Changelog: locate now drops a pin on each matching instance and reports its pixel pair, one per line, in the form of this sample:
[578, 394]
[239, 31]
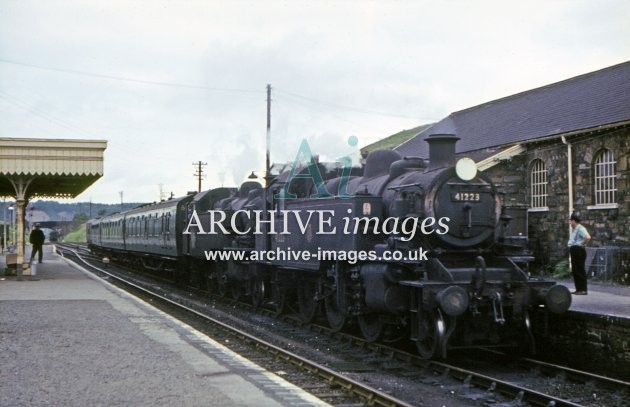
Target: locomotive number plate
[466, 196]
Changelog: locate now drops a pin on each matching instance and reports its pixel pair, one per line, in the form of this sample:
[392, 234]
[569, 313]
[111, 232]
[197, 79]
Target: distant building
[555, 149]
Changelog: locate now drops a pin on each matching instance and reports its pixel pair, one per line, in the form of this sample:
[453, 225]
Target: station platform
[68, 338]
[602, 299]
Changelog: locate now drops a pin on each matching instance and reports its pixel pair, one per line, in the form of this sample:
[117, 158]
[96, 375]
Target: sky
[170, 83]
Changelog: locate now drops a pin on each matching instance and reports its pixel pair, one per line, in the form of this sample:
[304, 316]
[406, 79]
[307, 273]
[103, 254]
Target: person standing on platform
[578, 238]
[37, 240]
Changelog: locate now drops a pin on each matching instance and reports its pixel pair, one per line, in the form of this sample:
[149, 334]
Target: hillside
[78, 235]
[42, 211]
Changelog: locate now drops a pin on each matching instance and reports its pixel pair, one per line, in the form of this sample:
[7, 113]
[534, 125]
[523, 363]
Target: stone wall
[549, 229]
[589, 342]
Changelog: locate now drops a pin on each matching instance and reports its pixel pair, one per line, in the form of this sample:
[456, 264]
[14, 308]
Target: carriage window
[538, 184]
[605, 175]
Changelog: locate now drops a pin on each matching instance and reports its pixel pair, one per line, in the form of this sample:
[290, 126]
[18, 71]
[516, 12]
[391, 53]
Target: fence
[609, 263]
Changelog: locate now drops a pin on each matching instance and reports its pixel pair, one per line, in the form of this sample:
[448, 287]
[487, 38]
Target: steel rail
[577, 374]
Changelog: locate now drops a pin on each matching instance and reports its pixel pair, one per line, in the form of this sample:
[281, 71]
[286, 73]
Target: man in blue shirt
[578, 238]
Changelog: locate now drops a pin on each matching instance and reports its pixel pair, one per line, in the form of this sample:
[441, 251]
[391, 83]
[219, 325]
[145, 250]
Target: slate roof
[583, 102]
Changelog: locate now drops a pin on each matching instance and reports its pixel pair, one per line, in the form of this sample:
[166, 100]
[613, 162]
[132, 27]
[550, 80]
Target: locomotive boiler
[410, 248]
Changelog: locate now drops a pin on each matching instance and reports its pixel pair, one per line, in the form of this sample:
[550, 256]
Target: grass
[78, 235]
[394, 140]
[561, 269]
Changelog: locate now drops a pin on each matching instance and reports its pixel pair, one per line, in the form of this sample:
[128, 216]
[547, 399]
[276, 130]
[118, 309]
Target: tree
[80, 218]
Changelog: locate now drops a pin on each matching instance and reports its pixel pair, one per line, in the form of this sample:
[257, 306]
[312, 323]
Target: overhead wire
[127, 79]
[303, 101]
[345, 107]
[284, 98]
[38, 112]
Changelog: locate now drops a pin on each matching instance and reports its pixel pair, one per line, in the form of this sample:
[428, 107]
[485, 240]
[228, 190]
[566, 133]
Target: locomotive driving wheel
[431, 330]
[371, 327]
[258, 288]
[308, 301]
[336, 316]
[279, 293]
[335, 301]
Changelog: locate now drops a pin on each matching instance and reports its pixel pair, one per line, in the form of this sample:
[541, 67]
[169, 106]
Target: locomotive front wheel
[308, 305]
[371, 327]
[526, 341]
[431, 329]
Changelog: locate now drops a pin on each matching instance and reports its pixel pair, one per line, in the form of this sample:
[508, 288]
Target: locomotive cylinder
[381, 291]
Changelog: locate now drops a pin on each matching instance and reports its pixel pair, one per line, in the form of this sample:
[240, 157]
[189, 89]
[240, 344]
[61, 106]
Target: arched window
[604, 170]
[538, 184]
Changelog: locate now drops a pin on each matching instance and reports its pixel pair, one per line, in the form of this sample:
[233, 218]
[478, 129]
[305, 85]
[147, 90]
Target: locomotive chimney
[441, 150]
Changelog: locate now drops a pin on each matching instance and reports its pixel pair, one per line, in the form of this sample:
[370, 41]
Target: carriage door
[186, 240]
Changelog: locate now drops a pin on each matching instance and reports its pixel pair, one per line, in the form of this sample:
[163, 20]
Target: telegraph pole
[266, 239]
[199, 173]
[4, 224]
[267, 160]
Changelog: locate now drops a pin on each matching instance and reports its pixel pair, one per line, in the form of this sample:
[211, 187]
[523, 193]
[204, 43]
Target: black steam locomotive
[408, 247]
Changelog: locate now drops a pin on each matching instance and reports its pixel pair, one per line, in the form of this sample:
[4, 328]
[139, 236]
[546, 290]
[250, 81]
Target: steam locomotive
[407, 248]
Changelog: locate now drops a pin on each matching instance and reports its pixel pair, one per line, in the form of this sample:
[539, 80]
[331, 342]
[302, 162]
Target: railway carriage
[107, 233]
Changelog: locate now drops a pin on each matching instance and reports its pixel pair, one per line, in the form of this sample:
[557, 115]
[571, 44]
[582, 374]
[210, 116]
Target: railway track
[530, 387]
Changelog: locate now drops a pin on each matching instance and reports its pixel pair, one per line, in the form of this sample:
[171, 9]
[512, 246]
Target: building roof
[584, 102]
[50, 167]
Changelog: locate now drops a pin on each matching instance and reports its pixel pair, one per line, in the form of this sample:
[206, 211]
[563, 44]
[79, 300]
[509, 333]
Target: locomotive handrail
[397, 187]
[469, 184]
[518, 269]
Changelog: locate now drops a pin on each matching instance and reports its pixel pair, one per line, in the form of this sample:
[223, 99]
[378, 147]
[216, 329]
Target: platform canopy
[46, 168]
[49, 168]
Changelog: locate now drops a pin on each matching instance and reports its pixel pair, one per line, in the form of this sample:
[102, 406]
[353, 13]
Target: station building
[557, 149]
